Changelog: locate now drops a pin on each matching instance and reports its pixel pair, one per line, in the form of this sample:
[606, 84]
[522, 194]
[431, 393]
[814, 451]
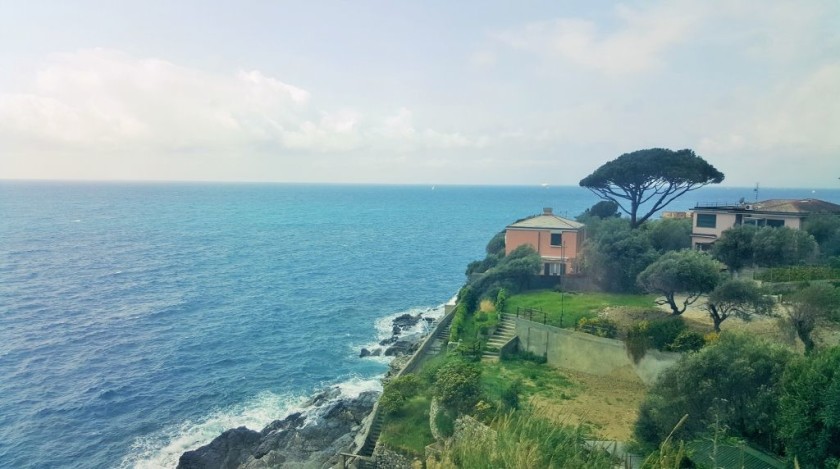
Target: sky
[432, 92]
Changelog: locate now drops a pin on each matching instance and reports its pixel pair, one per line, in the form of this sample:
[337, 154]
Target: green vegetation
[668, 334]
[809, 416]
[688, 272]
[825, 229]
[734, 383]
[739, 298]
[525, 440]
[408, 430]
[657, 176]
[798, 273]
[809, 307]
[563, 309]
[615, 255]
[735, 247]
[458, 385]
[669, 235]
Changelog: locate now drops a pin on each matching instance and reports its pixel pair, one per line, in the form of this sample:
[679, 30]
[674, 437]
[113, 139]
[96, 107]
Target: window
[776, 223]
[706, 220]
[556, 239]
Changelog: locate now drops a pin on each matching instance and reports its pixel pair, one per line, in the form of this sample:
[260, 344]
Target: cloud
[636, 45]
[100, 99]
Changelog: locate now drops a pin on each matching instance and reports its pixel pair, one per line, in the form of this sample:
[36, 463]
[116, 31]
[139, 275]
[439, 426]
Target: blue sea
[140, 320]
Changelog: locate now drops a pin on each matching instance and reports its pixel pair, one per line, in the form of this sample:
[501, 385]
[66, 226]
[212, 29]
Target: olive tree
[735, 247]
[739, 298]
[809, 307]
[654, 177]
[687, 272]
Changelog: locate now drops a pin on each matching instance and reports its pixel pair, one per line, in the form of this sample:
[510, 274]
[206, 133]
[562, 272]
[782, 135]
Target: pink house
[556, 239]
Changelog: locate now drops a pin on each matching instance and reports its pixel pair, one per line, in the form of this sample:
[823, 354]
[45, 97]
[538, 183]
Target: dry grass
[609, 404]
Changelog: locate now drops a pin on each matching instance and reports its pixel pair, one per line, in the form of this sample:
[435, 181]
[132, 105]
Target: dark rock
[406, 321]
[396, 330]
[388, 341]
[364, 353]
[400, 347]
[228, 450]
[376, 352]
[297, 440]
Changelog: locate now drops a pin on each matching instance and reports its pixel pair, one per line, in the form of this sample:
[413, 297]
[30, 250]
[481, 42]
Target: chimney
[547, 211]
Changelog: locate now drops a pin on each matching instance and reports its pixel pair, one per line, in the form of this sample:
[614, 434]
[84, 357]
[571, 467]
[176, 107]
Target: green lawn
[536, 379]
[408, 431]
[565, 309]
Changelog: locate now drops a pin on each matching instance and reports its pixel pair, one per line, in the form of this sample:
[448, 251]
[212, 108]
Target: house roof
[797, 206]
[547, 221]
[786, 206]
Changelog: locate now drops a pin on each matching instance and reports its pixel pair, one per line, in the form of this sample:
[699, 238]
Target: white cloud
[637, 45]
[101, 99]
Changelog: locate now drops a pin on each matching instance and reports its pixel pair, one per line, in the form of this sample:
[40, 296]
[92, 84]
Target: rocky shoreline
[312, 438]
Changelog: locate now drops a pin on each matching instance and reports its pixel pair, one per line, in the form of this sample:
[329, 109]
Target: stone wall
[588, 353]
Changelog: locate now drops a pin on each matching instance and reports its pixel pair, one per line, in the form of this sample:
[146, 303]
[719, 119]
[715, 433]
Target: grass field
[566, 309]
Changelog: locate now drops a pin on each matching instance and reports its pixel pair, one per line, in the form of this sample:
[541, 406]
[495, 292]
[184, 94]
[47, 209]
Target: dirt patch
[609, 404]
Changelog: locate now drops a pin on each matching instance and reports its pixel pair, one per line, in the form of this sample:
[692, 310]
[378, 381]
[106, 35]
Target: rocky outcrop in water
[404, 337]
[311, 439]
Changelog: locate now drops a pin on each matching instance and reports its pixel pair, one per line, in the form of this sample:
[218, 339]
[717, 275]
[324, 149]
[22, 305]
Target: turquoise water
[140, 320]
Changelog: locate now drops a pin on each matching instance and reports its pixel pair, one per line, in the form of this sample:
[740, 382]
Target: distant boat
[545, 184]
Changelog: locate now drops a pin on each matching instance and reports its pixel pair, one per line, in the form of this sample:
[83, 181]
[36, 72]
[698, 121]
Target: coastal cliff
[314, 437]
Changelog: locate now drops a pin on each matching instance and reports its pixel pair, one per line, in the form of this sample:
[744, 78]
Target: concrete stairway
[370, 442]
[441, 337]
[505, 331]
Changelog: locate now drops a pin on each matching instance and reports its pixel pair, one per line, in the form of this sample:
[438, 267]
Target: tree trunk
[675, 310]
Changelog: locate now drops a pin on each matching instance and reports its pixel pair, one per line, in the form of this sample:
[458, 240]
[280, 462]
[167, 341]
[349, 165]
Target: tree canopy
[735, 247]
[736, 382]
[810, 306]
[739, 298]
[690, 272]
[655, 176]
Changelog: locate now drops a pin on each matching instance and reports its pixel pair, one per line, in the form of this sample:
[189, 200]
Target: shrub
[392, 401]
[457, 385]
[800, 273]
[809, 417]
[397, 392]
[525, 355]
[687, 341]
[501, 300]
[663, 332]
[734, 383]
[638, 340]
[601, 327]
[510, 395]
[445, 423]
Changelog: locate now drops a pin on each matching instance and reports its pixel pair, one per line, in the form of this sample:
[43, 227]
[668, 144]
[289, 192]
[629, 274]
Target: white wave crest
[164, 448]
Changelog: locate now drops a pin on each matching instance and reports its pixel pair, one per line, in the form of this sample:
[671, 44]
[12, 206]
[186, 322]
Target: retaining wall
[588, 353]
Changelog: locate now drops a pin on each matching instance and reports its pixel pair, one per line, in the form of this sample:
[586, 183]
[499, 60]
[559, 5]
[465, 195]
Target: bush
[458, 386]
[638, 340]
[663, 332]
[598, 326]
[734, 383]
[501, 300]
[525, 355]
[445, 423]
[687, 341]
[510, 395]
[798, 274]
[397, 392]
[809, 418]
[392, 401]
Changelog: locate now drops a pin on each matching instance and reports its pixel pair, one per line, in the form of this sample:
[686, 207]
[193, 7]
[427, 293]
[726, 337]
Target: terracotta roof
[797, 206]
[550, 222]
